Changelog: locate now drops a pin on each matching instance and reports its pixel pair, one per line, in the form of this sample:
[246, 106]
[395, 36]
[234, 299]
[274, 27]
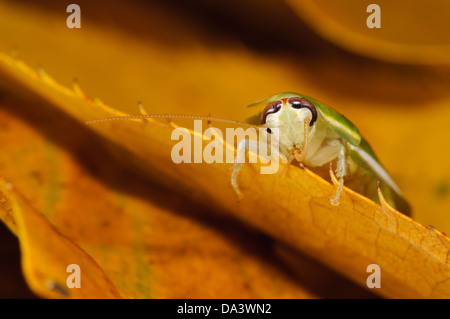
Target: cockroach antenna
[169, 116]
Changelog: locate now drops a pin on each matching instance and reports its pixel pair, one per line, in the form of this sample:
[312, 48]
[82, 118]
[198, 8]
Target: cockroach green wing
[357, 146]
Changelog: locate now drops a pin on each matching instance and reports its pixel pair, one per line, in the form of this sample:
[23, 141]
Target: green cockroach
[315, 134]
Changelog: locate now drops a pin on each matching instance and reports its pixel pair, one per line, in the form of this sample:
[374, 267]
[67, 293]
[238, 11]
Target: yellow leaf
[348, 238]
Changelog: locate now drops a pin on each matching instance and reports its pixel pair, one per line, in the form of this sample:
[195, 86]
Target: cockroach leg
[286, 165]
[301, 157]
[384, 204]
[338, 179]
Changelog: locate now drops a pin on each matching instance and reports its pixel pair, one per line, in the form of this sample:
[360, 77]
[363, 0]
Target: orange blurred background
[202, 57]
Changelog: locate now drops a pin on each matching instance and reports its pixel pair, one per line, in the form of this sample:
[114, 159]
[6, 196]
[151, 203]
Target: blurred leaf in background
[410, 32]
[178, 231]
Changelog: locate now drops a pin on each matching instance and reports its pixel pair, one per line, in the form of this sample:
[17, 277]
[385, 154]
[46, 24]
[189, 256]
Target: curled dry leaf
[400, 38]
[42, 244]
